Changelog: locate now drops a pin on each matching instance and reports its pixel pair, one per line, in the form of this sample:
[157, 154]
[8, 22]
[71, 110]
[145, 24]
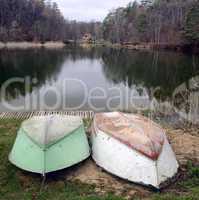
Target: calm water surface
[99, 79]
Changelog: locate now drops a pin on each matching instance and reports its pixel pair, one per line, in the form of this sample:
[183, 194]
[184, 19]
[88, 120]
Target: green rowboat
[50, 143]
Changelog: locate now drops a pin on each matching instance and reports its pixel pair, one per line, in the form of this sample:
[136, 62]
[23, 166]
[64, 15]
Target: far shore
[27, 45]
[131, 46]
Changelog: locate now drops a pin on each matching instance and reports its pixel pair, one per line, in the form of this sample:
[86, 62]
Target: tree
[192, 24]
[142, 26]
[15, 31]
[3, 34]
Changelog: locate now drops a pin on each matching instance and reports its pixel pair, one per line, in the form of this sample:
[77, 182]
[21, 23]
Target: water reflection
[39, 64]
[109, 75]
[165, 70]
[186, 100]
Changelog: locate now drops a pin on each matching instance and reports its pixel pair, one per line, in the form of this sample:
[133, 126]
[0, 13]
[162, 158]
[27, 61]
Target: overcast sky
[86, 10]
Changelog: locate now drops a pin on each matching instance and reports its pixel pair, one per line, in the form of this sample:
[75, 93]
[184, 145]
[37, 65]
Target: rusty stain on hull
[138, 132]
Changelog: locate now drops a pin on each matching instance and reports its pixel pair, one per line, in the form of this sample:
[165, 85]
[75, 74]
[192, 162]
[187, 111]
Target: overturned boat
[49, 143]
[132, 147]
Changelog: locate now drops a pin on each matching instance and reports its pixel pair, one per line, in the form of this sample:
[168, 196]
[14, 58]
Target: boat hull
[70, 150]
[121, 160]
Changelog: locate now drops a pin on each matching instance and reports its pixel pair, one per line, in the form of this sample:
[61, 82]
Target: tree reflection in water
[167, 76]
[161, 72]
[165, 70]
[42, 65]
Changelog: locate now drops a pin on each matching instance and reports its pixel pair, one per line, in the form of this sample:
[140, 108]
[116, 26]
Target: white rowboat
[132, 147]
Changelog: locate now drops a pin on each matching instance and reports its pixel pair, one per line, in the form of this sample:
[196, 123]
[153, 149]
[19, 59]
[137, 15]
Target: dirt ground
[185, 145]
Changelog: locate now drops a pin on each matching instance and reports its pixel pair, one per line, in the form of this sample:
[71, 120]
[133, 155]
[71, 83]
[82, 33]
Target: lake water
[99, 79]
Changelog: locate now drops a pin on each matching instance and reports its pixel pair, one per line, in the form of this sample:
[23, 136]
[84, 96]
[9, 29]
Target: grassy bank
[17, 184]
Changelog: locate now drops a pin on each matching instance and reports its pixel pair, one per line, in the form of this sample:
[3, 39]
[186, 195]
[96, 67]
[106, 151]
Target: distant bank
[27, 45]
[187, 48]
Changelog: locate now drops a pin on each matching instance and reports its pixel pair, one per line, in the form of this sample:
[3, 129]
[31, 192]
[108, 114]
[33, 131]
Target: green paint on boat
[46, 144]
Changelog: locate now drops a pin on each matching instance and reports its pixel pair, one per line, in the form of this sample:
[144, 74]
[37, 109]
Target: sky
[87, 10]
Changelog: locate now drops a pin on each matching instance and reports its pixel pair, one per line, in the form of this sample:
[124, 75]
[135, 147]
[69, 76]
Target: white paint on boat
[167, 165]
[122, 160]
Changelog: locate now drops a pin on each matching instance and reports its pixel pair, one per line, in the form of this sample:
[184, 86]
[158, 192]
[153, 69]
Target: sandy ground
[27, 45]
[186, 147]
[104, 182]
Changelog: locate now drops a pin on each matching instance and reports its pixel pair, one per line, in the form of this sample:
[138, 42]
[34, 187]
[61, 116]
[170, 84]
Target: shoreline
[29, 45]
[186, 48]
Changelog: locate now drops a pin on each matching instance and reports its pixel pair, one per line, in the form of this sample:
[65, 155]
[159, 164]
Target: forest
[39, 20]
[154, 21]
[147, 21]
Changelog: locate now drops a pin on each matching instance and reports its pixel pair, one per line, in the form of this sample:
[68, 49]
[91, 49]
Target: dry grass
[28, 45]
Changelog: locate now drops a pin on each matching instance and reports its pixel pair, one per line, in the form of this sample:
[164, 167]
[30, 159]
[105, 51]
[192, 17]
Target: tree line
[154, 21]
[146, 21]
[39, 20]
